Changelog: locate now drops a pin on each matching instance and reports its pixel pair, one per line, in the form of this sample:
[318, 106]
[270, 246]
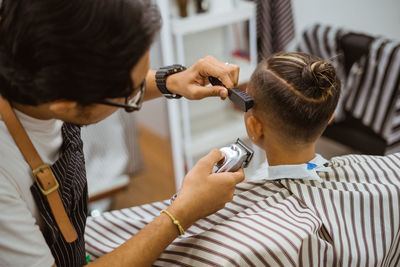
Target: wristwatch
[161, 77]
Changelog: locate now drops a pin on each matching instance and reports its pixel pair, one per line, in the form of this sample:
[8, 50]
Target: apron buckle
[35, 175]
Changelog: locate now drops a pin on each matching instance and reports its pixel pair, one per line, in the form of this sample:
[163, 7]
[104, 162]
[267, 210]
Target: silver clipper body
[237, 155]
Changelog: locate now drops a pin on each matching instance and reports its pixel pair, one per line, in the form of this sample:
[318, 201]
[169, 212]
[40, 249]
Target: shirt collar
[306, 171]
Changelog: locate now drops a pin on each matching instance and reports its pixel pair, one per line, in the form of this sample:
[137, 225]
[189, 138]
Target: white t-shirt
[21, 241]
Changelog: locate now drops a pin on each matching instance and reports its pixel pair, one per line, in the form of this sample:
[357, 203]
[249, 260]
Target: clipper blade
[248, 150]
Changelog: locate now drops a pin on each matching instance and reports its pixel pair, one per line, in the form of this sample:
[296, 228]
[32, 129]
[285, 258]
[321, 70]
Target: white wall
[375, 17]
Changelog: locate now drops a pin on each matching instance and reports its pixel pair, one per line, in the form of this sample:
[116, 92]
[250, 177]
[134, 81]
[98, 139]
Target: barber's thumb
[216, 90]
[206, 91]
[220, 91]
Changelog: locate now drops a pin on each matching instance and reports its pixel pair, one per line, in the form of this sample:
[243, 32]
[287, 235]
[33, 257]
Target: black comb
[243, 100]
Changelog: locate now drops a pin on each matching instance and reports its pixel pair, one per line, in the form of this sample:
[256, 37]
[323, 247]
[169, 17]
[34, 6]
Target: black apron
[70, 173]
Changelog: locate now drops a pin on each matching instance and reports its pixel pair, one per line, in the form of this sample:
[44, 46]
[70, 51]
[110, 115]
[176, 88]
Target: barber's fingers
[207, 162]
[227, 73]
[236, 177]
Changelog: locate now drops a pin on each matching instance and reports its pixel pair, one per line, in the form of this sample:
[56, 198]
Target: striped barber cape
[351, 218]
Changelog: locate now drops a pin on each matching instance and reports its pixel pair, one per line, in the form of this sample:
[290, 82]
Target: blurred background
[360, 37]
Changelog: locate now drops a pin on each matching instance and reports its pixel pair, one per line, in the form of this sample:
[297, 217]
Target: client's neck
[289, 155]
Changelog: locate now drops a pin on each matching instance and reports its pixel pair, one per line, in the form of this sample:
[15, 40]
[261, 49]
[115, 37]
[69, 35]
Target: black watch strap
[161, 78]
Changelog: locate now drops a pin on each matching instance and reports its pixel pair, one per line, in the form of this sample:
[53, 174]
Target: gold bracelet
[175, 221]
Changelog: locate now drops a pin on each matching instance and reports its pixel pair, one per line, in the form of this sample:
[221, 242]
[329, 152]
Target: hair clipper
[237, 155]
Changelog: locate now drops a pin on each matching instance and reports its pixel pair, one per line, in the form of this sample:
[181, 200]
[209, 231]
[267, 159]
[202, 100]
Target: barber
[68, 63]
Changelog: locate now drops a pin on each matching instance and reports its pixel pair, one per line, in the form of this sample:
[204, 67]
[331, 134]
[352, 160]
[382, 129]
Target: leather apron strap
[42, 173]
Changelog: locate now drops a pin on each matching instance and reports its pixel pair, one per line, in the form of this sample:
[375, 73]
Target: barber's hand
[204, 192]
[192, 82]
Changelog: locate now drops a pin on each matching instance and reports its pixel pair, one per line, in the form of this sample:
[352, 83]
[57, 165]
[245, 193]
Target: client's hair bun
[320, 75]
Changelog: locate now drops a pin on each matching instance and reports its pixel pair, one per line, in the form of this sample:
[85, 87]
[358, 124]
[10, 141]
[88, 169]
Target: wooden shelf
[196, 23]
[105, 188]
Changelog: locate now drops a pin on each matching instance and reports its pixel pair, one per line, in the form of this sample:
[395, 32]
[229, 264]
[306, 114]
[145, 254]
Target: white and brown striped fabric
[350, 219]
[374, 84]
[322, 41]
[275, 27]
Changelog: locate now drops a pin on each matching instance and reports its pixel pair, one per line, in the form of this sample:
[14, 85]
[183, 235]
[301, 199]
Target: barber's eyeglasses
[132, 102]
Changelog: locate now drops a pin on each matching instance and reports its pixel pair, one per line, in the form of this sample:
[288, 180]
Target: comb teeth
[243, 100]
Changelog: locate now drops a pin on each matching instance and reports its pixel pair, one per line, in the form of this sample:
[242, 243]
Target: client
[298, 209]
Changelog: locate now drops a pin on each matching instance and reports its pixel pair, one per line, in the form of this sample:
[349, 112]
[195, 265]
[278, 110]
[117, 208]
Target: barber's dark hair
[72, 49]
[297, 92]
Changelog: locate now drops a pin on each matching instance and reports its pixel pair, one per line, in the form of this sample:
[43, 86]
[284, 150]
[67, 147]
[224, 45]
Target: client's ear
[254, 128]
